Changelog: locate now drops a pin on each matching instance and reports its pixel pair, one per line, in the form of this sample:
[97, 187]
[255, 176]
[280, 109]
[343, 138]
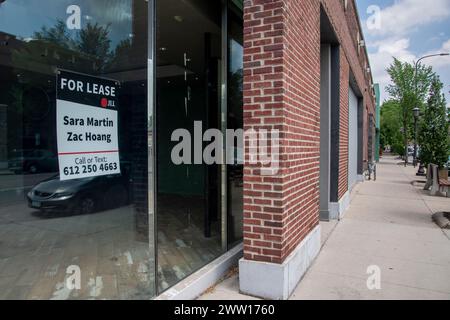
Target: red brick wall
[302, 109]
[263, 108]
[346, 26]
[369, 102]
[343, 124]
[282, 91]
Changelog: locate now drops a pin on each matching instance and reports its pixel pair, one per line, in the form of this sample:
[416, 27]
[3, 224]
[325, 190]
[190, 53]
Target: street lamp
[416, 110]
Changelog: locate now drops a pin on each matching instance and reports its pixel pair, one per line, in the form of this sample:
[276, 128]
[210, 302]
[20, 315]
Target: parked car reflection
[80, 196]
[33, 161]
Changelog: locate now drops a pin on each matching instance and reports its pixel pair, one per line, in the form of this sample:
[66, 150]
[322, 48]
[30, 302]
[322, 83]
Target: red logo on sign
[104, 102]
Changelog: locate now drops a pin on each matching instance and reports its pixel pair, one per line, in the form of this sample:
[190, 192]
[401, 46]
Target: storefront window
[92, 203]
[74, 238]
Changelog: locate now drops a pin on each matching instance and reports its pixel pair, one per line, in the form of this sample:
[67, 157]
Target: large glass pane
[235, 121]
[188, 87]
[83, 238]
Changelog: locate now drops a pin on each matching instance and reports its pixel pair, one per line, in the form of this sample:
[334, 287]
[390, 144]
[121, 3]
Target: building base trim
[324, 215]
[338, 209]
[278, 281]
[196, 284]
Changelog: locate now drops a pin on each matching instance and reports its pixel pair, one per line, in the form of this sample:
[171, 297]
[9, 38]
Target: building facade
[313, 53]
[378, 122]
[147, 145]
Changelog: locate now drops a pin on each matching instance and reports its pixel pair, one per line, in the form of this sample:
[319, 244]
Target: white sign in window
[87, 126]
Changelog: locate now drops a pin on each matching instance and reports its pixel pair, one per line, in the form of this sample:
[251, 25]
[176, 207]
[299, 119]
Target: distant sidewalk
[388, 227]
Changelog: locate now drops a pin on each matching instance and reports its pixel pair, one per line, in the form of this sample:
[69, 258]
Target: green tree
[58, 34]
[94, 41]
[391, 126]
[122, 56]
[434, 139]
[409, 89]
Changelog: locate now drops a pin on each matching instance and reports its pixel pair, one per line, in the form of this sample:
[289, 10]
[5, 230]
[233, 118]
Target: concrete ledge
[324, 215]
[278, 281]
[338, 209]
[197, 283]
[361, 178]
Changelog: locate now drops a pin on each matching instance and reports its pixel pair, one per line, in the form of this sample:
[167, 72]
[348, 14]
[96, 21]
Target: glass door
[235, 121]
[188, 84]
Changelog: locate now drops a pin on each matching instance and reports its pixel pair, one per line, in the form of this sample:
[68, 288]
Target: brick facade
[344, 73]
[282, 91]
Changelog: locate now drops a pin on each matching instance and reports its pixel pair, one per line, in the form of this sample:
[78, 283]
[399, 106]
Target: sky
[407, 30]
[23, 18]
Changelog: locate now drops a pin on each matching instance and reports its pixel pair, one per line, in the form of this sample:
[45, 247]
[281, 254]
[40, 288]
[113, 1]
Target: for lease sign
[87, 127]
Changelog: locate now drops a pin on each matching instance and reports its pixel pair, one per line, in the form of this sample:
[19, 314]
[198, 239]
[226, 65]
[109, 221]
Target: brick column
[281, 91]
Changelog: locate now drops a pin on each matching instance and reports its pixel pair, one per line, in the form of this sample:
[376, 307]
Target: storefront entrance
[194, 59]
[134, 230]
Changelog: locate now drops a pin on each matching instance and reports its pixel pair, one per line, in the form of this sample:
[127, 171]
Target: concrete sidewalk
[388, 225]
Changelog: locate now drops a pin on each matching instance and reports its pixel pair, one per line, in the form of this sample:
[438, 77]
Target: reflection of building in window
[111, 244]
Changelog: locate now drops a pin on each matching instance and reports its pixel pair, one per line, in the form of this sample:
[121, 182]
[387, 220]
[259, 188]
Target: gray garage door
[352, 139]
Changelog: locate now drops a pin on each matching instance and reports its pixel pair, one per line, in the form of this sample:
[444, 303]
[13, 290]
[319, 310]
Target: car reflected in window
[81, 196]
[32, 161]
